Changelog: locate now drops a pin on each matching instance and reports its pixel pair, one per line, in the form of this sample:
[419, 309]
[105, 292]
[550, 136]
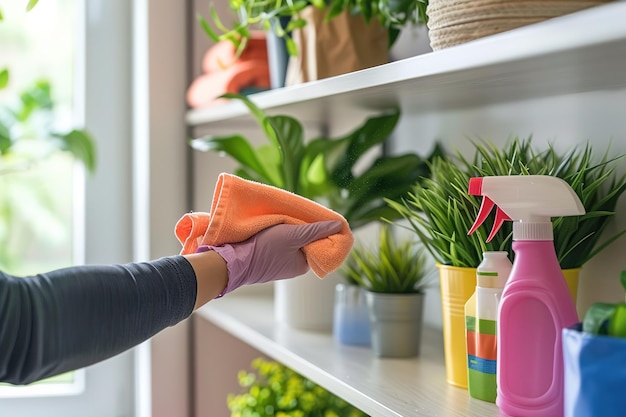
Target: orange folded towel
[242, 208]
[205, 90]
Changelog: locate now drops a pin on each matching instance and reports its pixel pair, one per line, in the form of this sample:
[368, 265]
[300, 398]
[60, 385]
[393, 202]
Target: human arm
[73, 317]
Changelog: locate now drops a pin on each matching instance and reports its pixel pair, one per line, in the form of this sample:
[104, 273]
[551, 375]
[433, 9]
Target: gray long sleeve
[74, 317]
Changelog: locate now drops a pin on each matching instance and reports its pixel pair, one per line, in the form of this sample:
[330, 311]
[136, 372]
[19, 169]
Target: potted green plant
[394, 277]
[440, 212]
[322, 170]
[349, 35]
[251, 14]
[448, 209]
[28, 138]
[274, 389]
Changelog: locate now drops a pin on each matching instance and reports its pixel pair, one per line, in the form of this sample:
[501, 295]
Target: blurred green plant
[440, 211]
[323, 169]
[27, 133]
[393, 15]
[272, 389]
[394, 266]
[28, 139]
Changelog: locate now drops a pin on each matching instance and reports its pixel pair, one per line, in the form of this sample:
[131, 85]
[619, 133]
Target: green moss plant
[394, 266]
[272, 389]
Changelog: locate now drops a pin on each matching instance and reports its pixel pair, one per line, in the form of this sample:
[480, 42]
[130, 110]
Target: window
[37, 204]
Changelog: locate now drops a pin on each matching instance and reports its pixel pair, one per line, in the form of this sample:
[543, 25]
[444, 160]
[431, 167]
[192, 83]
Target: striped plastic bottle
[481, 313]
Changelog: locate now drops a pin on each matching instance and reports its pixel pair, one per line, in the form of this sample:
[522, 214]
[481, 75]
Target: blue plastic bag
[595, 374]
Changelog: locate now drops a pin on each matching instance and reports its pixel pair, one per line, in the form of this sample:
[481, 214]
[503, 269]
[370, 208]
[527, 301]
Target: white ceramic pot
[306, 302]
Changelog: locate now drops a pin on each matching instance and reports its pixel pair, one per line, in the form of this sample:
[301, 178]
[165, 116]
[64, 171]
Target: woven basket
[452, 22]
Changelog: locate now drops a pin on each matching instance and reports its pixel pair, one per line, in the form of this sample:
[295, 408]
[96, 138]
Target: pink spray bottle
[536, 303]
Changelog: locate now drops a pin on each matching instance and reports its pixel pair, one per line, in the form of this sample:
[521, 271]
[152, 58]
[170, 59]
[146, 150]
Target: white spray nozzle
[524, 198]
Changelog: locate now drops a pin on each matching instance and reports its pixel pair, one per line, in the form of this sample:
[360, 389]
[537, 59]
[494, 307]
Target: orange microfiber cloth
[242, 208]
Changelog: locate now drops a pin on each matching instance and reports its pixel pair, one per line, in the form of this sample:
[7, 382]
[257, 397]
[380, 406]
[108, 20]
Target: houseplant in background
[347, 35]
[272, 389]
[440, 212]
[323, 170]
[28, 139]
[394, 276]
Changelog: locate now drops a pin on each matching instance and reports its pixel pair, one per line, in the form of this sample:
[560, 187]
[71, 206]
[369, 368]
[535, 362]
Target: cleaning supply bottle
[536, 303]
[481, 312]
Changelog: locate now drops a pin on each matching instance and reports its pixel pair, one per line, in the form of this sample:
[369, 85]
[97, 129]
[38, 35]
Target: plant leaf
[373, 132]
[240, 149]
[5, 139]
[31, 4]
[80, 144]
[4, 78]
[597, 317]
[290, 137]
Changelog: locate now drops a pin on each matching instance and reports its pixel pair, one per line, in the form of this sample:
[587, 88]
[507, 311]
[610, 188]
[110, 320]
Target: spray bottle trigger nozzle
[497, 223]
[485, 208]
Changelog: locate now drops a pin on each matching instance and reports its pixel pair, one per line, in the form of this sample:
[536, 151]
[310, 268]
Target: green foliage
[607, 319]
[4, 78]
[29, 7]
[323, 168]
[274, 390]
[28, 141]
[421, 10]
[267, 15]
[441, 212]
[393, 267]
[27, 135]
[31, 4]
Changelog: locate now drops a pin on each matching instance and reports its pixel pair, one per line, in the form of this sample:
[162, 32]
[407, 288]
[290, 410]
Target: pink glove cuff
[227, 252]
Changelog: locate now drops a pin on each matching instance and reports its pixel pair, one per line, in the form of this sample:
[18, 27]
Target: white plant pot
[306, 302]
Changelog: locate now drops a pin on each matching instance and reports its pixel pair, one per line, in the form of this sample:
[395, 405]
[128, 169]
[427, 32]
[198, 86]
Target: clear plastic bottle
[536, 303]
[481, 313]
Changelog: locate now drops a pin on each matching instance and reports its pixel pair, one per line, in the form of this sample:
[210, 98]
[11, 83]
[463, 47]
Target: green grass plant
[394, 266]
[440, 211]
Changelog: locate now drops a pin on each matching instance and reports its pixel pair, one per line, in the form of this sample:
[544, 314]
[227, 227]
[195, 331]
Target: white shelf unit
[380, 387]
[571, 54]
[579, 53]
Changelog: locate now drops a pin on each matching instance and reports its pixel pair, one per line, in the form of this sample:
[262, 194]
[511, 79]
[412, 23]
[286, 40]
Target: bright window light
[38, 209]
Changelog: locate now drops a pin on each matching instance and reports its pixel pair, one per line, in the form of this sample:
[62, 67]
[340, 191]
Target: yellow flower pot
[457, 286]
[571, 277]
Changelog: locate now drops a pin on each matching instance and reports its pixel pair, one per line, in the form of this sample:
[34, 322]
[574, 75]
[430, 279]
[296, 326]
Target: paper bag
[338, 46]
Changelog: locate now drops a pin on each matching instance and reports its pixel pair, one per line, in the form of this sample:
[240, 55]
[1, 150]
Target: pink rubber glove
[271, 254]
